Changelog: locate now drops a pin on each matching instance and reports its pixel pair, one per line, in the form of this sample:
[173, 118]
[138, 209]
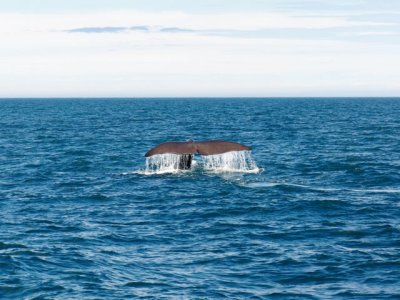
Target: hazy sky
[199, 48]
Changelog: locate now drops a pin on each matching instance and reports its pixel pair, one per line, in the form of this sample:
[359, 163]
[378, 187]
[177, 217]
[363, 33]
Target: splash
[234, 161]
[162, 163]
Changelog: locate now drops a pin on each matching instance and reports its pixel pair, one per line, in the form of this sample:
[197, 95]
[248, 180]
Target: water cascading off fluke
[217, 155]
[234, 161]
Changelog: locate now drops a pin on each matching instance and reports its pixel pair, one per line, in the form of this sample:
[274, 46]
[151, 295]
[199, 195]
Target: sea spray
[234, 161]
[162, 163]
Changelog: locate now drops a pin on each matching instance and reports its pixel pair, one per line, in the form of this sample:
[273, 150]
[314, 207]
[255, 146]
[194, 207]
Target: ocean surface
[81, 219]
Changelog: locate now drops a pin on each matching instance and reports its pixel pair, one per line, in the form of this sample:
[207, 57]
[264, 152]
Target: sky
[208, 48]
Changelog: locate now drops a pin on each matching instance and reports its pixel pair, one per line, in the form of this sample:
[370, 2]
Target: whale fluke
[219, 147]
[186, 150]
[202, 148]
[173, 148]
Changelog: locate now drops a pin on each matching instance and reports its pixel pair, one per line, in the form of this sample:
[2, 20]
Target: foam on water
[315, 188]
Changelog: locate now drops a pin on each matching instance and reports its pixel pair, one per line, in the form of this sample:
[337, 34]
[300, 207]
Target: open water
[81, 219]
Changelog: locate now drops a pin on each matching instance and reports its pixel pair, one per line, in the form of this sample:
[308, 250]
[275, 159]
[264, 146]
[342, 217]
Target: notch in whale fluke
[202, 148]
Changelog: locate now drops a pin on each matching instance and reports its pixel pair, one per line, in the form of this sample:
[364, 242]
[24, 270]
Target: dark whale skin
[219, 147]
[202, 148]
[173, 148]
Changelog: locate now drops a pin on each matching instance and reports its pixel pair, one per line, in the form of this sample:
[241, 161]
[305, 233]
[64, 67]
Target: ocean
[81, 218]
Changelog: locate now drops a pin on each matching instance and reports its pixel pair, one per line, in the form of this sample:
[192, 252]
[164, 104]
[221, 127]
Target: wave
[317, 188]
[376, 191]
[285, 184]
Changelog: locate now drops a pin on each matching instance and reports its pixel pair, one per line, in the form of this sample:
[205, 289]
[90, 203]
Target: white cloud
[39, 58]
[241, 21]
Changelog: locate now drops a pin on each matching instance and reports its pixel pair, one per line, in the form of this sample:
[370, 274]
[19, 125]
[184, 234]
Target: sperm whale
[186, 150]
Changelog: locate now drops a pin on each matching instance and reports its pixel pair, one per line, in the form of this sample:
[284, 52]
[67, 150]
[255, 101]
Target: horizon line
[196, 97]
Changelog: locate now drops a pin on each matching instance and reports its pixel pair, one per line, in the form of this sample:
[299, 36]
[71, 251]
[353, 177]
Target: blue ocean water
[322, 221]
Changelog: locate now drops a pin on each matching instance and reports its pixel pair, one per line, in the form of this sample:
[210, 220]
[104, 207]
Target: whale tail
[186, 150]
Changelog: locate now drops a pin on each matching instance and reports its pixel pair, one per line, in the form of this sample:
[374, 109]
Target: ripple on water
[319, 222]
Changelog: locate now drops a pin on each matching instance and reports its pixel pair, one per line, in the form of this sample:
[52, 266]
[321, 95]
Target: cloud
[176, 21]
[139, 28]
[111, 29]
[97, 29]
[133, 53]
[176, 29]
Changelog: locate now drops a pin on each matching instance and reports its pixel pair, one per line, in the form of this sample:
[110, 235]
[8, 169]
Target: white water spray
[230, 162]
[234, 161]
[162, 163]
